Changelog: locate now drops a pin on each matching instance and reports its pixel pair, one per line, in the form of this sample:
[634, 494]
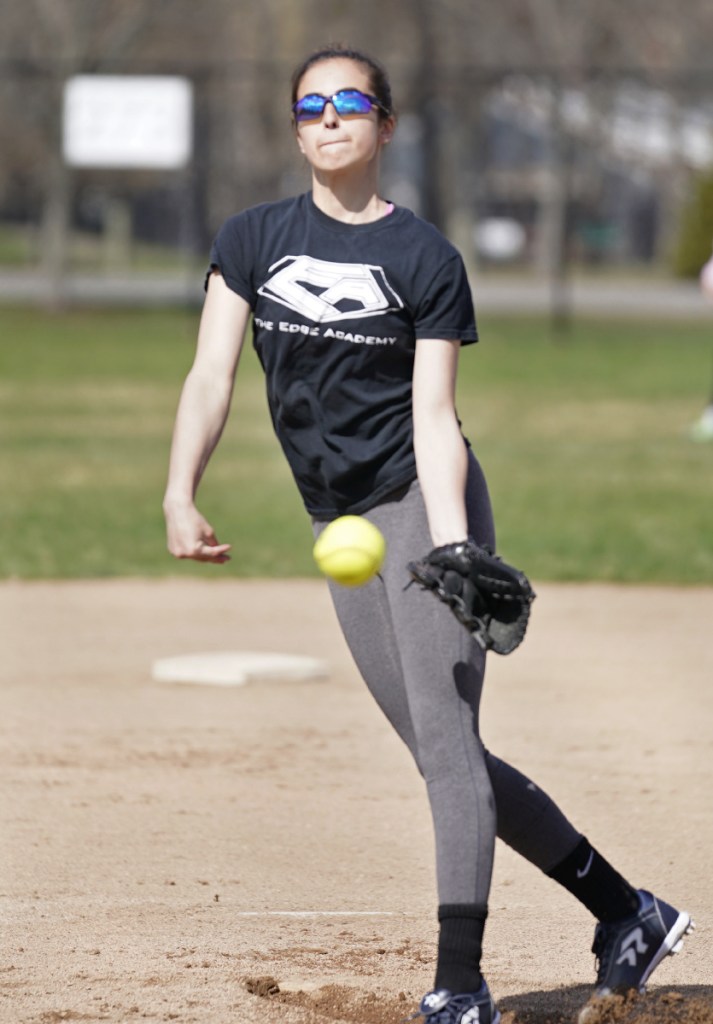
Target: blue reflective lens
[309, 107]
[351, 101]
[346, 102]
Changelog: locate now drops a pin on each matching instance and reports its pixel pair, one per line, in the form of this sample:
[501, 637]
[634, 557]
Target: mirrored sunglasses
[346, 102]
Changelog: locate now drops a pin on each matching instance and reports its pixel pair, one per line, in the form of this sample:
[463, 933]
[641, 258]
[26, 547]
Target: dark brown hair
[378, 79]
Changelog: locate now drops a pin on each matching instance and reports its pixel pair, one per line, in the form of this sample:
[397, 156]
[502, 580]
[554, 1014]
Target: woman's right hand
[191, 536]
[201, 416]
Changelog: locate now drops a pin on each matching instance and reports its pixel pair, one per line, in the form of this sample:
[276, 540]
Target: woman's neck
[352, 202]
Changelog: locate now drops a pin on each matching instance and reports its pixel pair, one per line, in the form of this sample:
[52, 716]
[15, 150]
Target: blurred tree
[51, 40]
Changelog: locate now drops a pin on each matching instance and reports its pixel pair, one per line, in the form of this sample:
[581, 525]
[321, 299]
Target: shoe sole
[672, 943]
[495, 1019]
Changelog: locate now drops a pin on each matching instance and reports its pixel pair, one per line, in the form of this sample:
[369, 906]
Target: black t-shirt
[337, 309]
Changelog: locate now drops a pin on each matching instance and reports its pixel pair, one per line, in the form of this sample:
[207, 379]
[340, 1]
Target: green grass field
[585, 443]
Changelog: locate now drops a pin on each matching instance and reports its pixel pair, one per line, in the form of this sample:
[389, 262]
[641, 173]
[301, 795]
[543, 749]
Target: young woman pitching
[359, 310]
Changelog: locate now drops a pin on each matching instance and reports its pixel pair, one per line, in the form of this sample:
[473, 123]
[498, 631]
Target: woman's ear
[386, 130]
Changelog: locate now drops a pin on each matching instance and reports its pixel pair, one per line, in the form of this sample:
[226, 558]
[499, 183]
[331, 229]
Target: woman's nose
[330, 117]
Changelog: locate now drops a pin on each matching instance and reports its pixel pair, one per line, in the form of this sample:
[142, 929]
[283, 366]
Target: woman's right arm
[202, 412]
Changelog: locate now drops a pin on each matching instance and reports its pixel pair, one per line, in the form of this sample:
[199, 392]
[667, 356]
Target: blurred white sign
[128, 121]
[499, 238]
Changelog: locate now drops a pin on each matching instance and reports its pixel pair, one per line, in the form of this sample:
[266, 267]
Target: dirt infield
[263, 854]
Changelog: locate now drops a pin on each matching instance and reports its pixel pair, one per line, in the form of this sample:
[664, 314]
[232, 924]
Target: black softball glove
[491, 598]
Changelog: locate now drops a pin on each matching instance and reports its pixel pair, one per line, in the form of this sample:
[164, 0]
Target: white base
[235, 668]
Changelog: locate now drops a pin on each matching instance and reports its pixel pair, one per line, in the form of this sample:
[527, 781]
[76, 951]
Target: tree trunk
[55, 230]
[552, 218]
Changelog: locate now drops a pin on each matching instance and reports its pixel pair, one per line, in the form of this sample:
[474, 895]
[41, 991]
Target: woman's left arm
[441, 453]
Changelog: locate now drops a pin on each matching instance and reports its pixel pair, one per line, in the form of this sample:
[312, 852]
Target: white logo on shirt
[323, 291]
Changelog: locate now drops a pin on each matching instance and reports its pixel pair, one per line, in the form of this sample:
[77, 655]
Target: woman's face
[332, 143]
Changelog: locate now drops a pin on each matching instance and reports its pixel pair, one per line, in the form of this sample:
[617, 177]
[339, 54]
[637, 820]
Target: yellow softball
[350, 550]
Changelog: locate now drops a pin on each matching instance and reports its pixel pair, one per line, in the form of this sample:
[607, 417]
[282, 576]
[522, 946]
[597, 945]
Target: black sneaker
[442, 1007]
[629, 951]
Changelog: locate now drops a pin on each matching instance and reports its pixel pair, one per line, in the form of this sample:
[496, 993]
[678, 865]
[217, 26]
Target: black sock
[460, 944]
[596, 884]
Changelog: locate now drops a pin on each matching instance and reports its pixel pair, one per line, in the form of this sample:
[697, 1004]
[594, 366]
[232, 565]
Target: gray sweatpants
[426, 674]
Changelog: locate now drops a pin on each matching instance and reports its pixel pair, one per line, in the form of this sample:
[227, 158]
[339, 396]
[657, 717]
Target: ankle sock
[460, 945]
[595, 883]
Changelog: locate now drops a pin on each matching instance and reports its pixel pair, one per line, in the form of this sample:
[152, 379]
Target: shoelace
[602, 950]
